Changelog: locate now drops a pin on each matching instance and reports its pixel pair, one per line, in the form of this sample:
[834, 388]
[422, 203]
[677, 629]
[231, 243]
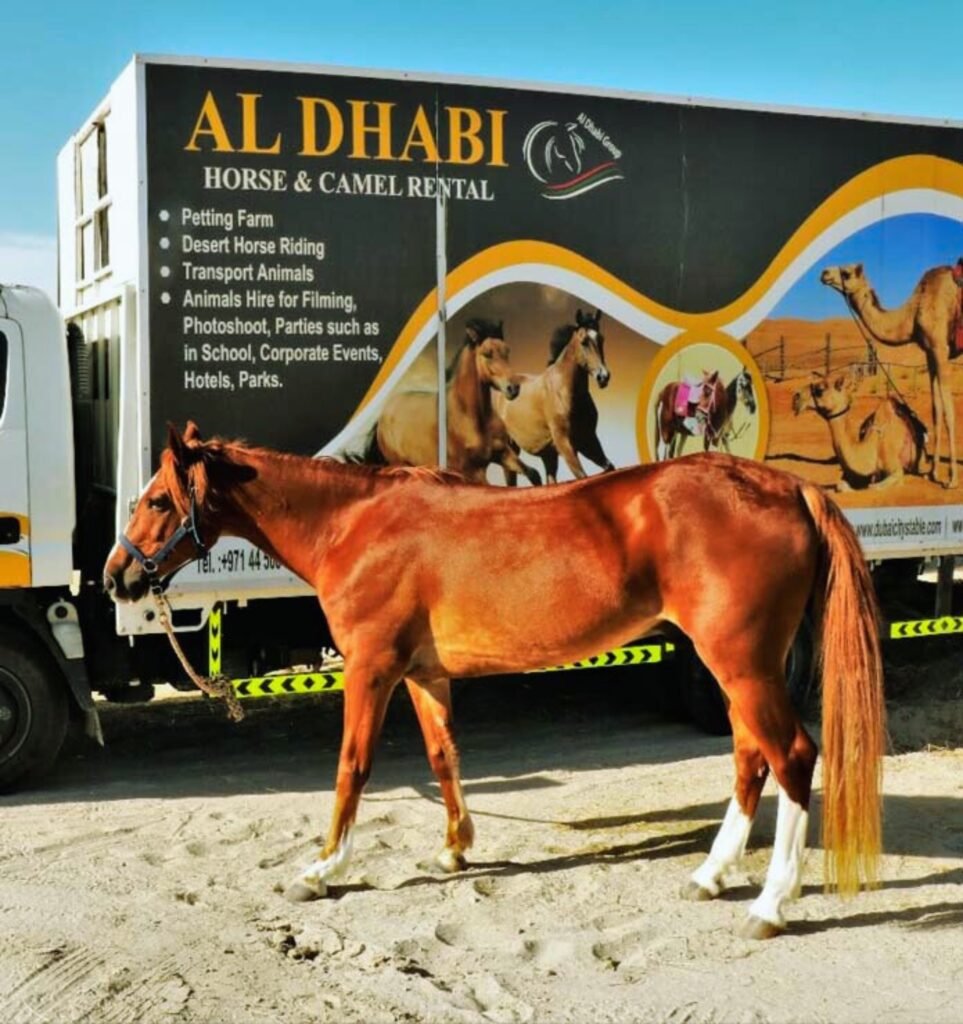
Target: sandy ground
[141, 883]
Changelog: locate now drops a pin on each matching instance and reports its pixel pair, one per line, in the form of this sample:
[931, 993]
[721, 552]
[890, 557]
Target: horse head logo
[565, 161]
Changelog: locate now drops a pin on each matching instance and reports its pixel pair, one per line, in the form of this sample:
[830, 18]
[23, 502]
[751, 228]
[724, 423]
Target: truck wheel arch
[34, 707]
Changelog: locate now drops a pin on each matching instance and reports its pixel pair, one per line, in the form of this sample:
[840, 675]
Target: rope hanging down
[218, 686]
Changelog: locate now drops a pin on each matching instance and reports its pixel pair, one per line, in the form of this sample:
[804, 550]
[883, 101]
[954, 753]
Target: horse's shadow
[913, 827]
[652, 848]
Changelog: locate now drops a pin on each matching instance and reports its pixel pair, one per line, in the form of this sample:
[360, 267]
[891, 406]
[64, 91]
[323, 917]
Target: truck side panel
[289, 282]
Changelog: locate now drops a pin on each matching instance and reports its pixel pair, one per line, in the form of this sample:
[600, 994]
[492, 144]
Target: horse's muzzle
[511, 391]
[129, 584]
[602, 378]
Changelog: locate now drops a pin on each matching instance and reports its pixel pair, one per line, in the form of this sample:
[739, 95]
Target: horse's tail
[371, 454]
[854, 727]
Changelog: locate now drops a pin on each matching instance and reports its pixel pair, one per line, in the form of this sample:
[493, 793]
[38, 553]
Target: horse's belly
[535, 616]
[526, 427]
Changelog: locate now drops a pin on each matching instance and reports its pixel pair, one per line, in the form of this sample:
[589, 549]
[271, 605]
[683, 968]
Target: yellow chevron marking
[925, 627]
[329, 682]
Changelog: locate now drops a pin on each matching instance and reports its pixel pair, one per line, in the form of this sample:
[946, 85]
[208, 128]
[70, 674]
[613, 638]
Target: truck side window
[3, 373]
[92, 202]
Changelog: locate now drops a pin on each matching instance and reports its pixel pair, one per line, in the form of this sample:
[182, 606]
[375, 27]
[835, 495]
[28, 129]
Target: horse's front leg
[512, 465]
[366, 696]
[432, 703]
[565, 448]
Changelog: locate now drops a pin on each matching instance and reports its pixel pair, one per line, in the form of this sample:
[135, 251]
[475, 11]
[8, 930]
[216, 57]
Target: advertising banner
[625, 279]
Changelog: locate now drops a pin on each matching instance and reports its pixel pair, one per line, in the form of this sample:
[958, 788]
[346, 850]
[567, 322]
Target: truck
[299, 256]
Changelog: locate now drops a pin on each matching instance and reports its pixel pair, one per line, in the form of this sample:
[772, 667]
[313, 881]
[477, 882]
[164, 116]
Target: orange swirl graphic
[897, 175]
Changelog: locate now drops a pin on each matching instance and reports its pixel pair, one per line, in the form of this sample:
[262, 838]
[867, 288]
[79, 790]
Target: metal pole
[944, 586]
[441, 271]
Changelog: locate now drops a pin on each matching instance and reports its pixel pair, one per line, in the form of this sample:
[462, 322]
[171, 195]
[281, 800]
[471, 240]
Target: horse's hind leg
[707, 880]
[755, 683]
[366, 697]
[432, 703]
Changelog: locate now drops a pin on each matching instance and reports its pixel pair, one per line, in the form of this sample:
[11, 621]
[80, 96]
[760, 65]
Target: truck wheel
[33, 712]
[706, 704]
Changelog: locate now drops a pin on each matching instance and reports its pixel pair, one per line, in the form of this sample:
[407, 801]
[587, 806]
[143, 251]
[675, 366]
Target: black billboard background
[707, 198]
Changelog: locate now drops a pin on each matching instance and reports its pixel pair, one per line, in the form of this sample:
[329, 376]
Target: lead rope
[867, 337]
[218, 686]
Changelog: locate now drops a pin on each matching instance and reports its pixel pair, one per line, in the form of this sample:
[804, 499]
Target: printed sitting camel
[874, 450]
[927, 319]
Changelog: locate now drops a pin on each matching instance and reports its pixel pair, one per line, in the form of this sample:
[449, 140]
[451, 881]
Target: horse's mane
[560, 338]
[483, 328]
[218, 464]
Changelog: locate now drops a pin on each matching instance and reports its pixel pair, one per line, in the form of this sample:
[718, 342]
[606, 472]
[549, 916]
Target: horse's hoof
[696, 893]
[756, 928]
[298, 892]
[451, 861]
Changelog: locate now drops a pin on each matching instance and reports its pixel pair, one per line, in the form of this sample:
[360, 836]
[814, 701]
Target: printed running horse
[554, 413]
[406, 433]
[700, 408]
[423, 577]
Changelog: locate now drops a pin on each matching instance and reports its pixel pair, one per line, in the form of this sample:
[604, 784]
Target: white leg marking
[728, 846]
[316, 875]
[784, 878]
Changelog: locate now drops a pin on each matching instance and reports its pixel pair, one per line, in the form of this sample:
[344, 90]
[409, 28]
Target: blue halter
[152, 564]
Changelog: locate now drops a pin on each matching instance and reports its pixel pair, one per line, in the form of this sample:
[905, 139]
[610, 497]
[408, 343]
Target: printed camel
[874, 450]
[927, 319]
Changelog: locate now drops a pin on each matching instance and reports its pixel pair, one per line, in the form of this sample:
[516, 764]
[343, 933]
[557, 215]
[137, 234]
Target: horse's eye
[487, 355]
[159, 504]
[585, 343]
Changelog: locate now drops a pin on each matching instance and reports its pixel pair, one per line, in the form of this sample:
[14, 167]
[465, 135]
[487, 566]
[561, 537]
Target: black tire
[706, 704]
[33, 711]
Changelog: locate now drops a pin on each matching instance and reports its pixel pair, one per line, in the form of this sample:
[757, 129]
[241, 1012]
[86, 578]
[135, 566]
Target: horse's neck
[732, 392]
[467, 393]
[293, 506]
[572, 375]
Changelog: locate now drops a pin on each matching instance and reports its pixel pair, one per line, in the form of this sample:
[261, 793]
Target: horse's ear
[858, 270]
[598, 317]
[501, 328]
[183, 447]
[176, 444]
[579, 318]
[472, 336]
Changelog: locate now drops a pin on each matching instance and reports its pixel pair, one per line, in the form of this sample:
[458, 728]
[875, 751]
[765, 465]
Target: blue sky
[60, 57]
[894, 254]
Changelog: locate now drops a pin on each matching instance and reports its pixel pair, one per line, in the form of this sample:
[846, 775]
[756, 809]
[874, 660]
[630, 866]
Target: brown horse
[406, 433]
[713, 417]
[554, 412]
[423, 577]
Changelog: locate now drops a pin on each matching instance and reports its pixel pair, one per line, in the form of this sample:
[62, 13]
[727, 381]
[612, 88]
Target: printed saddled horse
[554, 412]
[701, 409]
[423, 577]
[406, 433]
